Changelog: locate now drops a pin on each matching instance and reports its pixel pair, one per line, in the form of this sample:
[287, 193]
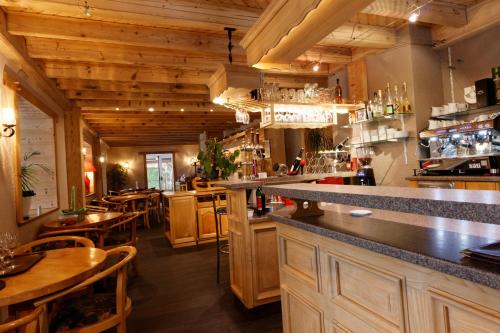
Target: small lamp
[88, 167]
[8, 122]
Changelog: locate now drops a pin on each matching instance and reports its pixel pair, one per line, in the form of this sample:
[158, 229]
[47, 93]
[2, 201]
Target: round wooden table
[60, 269]
[91, 221]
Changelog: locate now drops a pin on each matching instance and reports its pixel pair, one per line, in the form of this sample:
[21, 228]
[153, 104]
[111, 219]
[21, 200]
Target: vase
[26, 206]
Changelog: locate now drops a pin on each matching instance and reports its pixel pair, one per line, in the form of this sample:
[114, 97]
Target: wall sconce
[126, 165]
[102, 159]
[8, 122]
[84, 151]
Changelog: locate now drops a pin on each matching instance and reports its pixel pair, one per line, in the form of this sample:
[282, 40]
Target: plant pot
[26, 206]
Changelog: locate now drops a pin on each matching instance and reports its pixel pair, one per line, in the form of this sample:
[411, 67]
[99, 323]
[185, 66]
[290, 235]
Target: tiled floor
[177, 293]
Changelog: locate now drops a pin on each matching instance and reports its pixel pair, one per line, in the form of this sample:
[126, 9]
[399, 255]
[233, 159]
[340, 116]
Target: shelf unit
[270, 119]
[452, 116]
[367, 143]
[397, 116]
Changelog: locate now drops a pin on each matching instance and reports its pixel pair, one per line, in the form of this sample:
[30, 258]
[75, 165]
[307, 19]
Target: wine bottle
[389, 103]
[405, 101]
[379, 108]
[397, 100]
[261, 201]
[296, 164]
[338, 93]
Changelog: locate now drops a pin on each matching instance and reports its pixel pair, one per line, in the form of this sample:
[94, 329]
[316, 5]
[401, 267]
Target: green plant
[28, 174]
[216, 158]
[117, 176]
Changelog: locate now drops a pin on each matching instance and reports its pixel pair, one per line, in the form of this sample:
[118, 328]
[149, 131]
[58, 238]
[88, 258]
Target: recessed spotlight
[182, 110]
[151, 109]
[316, 67]
[211, 110]
[117, 109]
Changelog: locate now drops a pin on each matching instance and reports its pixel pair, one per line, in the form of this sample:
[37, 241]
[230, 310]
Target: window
[160, 171]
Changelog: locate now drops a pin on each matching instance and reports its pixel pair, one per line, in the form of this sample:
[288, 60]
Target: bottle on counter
[495, 73]
[261, 201]
[338, 93]
[405, 101]
[389, 102]
[294, 170]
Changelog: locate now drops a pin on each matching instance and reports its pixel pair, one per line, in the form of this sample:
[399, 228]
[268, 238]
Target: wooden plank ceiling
[132, 56]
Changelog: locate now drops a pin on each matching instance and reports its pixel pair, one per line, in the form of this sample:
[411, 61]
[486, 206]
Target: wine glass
[8, 243]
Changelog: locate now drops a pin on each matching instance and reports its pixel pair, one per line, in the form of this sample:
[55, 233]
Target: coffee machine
[466, 149]
[365, 175]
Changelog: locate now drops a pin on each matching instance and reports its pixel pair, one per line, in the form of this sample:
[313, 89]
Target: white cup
[262, 175]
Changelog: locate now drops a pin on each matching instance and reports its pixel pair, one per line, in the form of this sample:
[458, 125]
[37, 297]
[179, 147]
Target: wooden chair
[138, 205]
[89, 209]
[57, 242]
[28, 323]
[120, 233]
[110, 205]
[72, 305]
[154, 206]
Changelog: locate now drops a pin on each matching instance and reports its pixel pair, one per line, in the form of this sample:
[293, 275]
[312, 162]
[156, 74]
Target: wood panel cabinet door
[299, 315]
[481, 186]
[206, 223]
[266, 275]
[182, 220]
[454, 315]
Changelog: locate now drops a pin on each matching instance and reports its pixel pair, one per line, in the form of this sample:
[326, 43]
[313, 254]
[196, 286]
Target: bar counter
[390, 271]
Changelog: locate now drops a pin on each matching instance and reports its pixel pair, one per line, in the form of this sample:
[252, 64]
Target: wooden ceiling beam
[84, 30]
[66, 50]
[24, 69]
[131, 86]
[185, 15]
[144, 105]
[126, 95]
[288, 28]
[481, 17]
[74, 70]
[361, 35]
[435, 12]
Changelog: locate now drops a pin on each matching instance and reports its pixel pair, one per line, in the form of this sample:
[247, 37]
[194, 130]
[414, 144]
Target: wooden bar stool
[218, 213]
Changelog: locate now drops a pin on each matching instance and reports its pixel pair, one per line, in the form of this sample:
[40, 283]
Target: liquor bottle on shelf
[261, 201]
[338, 93]
[405, 101]
[397, 100]
[253, 152]
[341, 144]
[389, 103]
[379, 105]
[294, 170]
[368, 110]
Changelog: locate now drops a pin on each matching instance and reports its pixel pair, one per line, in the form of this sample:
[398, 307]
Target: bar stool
[218, 213]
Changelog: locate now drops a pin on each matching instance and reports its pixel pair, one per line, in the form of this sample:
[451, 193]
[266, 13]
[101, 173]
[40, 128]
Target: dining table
[94, 220]
[58, 270]
[128, 198]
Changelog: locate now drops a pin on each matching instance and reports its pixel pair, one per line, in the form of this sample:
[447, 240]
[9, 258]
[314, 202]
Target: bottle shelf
[368, 143]
[451, 116]
[397, 116]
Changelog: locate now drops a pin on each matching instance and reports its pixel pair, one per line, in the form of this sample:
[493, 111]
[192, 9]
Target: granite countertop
[251, 184]
[472, 205]
[456, 178]
[433, 248]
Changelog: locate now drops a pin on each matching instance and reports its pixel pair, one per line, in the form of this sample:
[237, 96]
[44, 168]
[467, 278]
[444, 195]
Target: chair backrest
[54, 242]
[95, 209]
[29, 323]
[154, 199]
[125, 254]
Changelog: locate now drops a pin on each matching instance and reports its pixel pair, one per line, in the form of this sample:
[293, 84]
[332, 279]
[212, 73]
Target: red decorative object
[88, 166]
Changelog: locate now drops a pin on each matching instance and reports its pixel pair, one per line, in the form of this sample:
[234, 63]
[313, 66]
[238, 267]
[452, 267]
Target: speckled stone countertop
[495, 179]
[471, 205]
[432, 248]
[251, 184]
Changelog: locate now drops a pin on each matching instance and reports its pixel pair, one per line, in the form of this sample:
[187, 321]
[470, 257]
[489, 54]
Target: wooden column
[357, 80]
[74, 163]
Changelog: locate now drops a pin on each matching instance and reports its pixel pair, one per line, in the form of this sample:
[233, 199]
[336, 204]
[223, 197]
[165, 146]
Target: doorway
[160, 171]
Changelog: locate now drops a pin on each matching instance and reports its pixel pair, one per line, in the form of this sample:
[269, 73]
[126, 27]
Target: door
[160, 171]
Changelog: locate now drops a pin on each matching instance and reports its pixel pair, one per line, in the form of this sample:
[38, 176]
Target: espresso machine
[466, 149]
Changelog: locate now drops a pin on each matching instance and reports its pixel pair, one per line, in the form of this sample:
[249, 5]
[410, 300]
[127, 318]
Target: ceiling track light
[415, 12]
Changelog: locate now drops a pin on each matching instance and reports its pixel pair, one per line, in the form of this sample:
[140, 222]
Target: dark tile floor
[177, 293]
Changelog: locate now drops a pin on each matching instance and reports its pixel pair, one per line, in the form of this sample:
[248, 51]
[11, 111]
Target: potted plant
[29, 179]
[216, 161]
[117, 176]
